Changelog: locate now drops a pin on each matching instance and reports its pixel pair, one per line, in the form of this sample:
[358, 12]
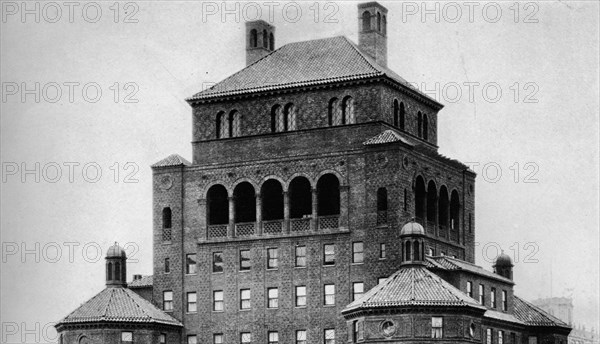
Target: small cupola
[503, 266]
[116, 266]
[260, 40]
[372, 31]
[412, 236]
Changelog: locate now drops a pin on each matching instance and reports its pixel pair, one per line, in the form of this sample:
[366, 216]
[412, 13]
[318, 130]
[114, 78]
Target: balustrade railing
[217, 231]
[272, 226]
[329, 222]
[299, 225]
[244, 229]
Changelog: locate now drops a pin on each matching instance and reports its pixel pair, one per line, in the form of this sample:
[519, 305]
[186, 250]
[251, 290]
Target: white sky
[171, 52]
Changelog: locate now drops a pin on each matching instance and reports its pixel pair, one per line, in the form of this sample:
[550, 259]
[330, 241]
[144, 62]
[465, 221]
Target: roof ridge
[108, 303]
[128, 293]
[373, 64]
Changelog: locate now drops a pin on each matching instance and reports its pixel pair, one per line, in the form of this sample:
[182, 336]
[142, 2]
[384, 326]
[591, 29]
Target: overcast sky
[519, 84]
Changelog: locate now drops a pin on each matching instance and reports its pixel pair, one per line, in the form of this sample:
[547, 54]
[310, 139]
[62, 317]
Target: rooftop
[452, 264]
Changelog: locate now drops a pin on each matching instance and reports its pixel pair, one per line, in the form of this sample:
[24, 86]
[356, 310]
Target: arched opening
[265, 39]
[366, 21]
[300, 198]
[378, 21]
[253, 38]
[271, 193]
[271, 42]
[396, 113]
[117, 271]
[425, 127]
[384, 20]
[420, 199]
[245, 203]
[454, 211]
[431, 203]
[218, 205]
[402, 115]
[416, 251]
[289, 117]
[333, 112]
[276, 119]
[222, 127]
[328, 191]
[166, 217]
[419, 124]
[109, 271]
[443, 207]
[382, 205]
[348, 110]
[407, 250]
[235, 125]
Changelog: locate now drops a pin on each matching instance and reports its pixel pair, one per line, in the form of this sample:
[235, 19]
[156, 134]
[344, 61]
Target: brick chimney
[260, 40]
[372, 31]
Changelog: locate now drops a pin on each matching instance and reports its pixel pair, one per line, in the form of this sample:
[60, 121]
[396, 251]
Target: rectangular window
[245, 260]
[300, 256]
[301, 337]
[190, 263]
[493, 297]
[381, 251]
[358, 255]
[488, 336]
[301, 296]
[504, 301]
[244, 298]
[245, 337]
[329, 336]
[437, 326]
[162, 339]
[329, 254]
[329, 291]
[481, 295]
[273, 298]
[218, 301]
[167, 300]
[355, 331]
[272, 258]
[358, 288]
[218, 338]
[273, 337]
[192, 339]
[381, 280]
[191, 302]
[217, 265]
[167, 265]
[500, 337]
[469, 288]
[127, 337]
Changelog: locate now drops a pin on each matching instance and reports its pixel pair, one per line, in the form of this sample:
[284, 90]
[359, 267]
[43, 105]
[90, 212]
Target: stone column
[231, 227]
[258, 214]
[203, 219]
[286, 212]
[315, 210]
[344, 204]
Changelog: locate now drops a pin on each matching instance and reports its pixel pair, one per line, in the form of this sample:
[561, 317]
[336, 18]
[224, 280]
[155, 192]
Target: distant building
[317, 209]
[562, 308]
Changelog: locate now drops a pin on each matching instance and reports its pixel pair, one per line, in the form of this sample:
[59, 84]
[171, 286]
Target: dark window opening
[328, 191]
[454, 210]
[382, 199]
[218, 205]
[366, 21]
[109, 271]
[265, 39]
[419, 124]
[396, 113]
[416, 251]
[253, 38]
[300, 196]
[272, 200]
[245, 203]
[348, 110]
[276, 121]
[407, 251]
[271, 42]
[402, 116]
[378, 21]
[431, 202]
[117, 271]
[420, 199]
[425, 127]
[334, 112]
[443, 207]
[166, 217]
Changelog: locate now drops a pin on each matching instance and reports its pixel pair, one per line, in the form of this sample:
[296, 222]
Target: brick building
[286, 225]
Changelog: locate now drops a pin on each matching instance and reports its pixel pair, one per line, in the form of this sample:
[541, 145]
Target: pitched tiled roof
[502, 316]
[118, 305]
[412, 286]
[387, 136]
[448, 263]
[145, 281]
[172, 160]
[534, 316]
[306, 63]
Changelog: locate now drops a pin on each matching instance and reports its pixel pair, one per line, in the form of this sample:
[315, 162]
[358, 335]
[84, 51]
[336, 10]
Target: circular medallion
[405, 162]
[388, 328]
[166, 182]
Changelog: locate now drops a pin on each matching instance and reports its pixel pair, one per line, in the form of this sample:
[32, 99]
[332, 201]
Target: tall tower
[372, 31]
[260, 40]
[116, 267]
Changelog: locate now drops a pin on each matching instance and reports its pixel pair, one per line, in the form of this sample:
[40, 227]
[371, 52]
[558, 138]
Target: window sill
[362, 263]
[245, 270]
[246, 310]
[299, 267]
[300, 307]
[218, 311]
[218, 272]
[272, 269]
[328, 265]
